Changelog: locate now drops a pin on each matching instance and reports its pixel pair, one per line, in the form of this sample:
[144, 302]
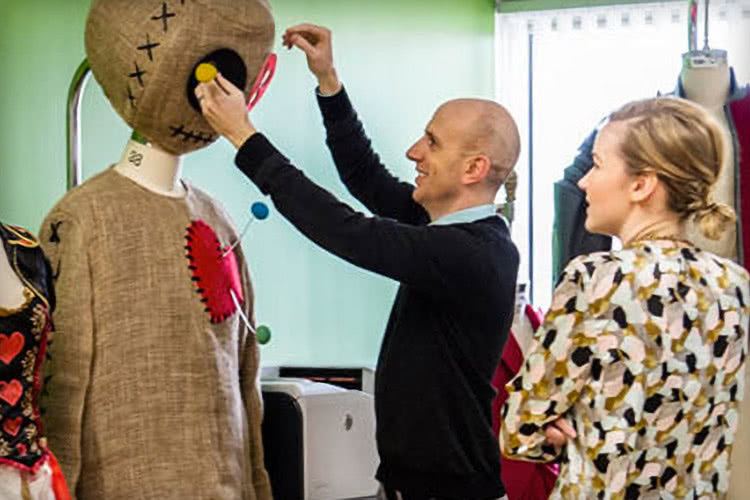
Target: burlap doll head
[144, 53]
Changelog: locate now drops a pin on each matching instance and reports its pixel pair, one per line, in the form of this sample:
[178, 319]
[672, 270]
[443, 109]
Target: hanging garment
[523, 480]
[27, 467]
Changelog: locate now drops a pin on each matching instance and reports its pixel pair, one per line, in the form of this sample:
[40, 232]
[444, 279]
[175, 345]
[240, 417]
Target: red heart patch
[11, 392]
[12, 426]
[214, 273]
[10, 346]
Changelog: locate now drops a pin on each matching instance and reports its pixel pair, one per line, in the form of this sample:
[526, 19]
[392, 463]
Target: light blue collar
[466, 215]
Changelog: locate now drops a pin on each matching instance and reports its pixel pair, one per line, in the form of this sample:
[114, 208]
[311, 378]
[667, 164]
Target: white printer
[319, 440]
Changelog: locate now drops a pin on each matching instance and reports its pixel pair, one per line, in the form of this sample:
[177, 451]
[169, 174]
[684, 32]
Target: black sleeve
[443, 260]
[569, 236]
[360, 168]
[49, 282]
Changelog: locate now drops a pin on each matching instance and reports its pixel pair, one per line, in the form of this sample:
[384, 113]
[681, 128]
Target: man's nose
[414, 152]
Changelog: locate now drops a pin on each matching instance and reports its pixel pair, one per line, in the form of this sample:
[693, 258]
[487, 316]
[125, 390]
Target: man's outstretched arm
[439, 260]
[359, 167]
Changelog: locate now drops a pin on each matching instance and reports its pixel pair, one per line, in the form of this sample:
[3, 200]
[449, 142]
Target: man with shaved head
[441, 240]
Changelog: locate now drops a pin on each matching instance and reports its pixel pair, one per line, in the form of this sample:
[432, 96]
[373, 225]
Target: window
[561, 71]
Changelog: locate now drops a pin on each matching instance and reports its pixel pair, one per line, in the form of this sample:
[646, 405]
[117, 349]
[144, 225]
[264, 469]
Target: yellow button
[205, 72]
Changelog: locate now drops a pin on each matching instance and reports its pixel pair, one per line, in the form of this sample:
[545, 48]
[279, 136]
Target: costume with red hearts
[26, 464]
[157, 397]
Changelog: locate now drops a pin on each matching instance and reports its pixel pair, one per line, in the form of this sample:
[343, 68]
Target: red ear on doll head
[262, 81]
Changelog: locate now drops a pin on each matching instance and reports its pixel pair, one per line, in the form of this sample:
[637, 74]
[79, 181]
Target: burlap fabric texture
[143, 54]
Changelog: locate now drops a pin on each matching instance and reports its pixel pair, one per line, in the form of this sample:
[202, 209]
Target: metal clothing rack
[73, 131]
[705, 57]
[693, 26]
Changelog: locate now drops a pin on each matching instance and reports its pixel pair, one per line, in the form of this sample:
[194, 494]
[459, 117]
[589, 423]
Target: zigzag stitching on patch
[188, 135]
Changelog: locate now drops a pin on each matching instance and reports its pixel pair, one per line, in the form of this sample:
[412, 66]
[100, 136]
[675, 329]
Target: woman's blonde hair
[685, 147]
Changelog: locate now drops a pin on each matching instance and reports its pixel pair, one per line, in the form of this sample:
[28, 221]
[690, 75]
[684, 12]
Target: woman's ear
[644, 186]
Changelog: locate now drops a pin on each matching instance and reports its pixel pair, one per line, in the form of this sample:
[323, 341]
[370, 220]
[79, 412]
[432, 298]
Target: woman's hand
[558, 432]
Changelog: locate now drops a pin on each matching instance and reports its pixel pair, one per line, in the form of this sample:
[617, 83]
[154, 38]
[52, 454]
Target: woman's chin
[596, 228]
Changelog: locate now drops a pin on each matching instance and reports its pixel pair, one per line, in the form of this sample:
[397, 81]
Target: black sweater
[451, 316]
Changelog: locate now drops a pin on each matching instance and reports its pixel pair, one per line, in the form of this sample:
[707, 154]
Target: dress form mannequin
[11, 288]
[709, 86]
[152, 168]
[153, 371]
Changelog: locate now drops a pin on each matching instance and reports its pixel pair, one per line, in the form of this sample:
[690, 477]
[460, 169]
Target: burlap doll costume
[153, 389]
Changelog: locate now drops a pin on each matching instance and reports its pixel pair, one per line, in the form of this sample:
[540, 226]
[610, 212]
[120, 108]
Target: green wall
[399, 59]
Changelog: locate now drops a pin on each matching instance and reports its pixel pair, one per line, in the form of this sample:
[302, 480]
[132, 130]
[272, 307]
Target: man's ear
[476, 169]
[644, 186]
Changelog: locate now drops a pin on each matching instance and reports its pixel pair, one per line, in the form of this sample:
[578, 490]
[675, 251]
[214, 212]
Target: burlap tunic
[148, 399]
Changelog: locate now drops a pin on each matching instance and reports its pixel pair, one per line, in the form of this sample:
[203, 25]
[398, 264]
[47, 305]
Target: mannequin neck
[152, 168]
[11, 288]
[707, 86]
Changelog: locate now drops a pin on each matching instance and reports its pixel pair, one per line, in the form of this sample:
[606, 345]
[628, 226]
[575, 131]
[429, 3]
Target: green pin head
[263, 334]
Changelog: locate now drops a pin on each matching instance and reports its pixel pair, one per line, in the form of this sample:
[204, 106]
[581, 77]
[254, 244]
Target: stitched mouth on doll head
[195, 136]
[228, 62]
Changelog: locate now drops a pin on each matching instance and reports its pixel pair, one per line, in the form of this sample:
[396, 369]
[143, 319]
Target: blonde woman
[635, 375]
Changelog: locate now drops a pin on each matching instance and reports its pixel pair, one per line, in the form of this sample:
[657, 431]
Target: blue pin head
[259, 210]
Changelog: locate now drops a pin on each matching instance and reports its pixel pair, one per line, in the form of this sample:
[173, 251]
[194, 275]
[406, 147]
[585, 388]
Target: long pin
[259, 210]
[262, 334]
[239, 310]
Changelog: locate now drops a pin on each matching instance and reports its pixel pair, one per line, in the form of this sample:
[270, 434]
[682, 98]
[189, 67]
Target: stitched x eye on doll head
[144, 56]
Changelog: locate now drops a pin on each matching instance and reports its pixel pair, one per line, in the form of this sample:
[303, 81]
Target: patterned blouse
[643, 351]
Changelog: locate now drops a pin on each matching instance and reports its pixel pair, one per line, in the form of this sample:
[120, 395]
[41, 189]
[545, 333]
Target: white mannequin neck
[152, 168]
[707, 86]
[11, 288]
[710, 87]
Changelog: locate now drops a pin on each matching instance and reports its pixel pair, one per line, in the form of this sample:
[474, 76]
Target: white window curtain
[560, 72]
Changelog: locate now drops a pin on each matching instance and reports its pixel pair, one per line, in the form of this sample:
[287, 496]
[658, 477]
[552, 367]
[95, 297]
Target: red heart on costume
[21, 450]
[12, 426]
[10, 346]
[214, 273]
[11, 392]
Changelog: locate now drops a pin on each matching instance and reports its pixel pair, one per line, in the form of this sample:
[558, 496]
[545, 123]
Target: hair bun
[713, 218]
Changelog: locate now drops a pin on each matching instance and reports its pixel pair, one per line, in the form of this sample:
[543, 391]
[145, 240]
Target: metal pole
[75, 98]
[531, 167]
[692, 25]
[705, 32]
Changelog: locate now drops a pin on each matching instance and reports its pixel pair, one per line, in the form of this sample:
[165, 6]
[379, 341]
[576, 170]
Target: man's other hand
[315, 42]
